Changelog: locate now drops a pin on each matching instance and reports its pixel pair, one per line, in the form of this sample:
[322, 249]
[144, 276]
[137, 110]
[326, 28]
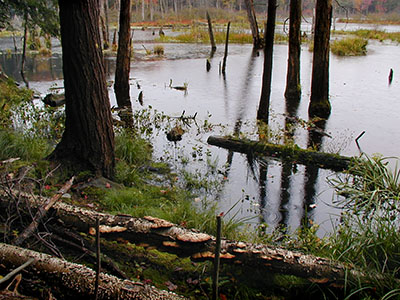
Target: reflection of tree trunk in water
[244, 93]
[290, 123]
[263, 109]
[244, 105]
[311, 172]
[284, 192]
[24, 50]
[262, 184]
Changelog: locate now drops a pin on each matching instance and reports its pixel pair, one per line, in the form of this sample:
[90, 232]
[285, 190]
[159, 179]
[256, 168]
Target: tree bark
[295, 155]
[293, 88]
[88, 139]
[263, 109]
[319, 102]
[251, 14]
[74, 281]
[121, 86]
[211, 34]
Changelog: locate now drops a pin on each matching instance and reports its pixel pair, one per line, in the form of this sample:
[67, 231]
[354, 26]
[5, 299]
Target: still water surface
[269, 191]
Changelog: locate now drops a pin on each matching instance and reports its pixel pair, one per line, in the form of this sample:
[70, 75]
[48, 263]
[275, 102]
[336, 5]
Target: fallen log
[293, 154]
[74, 281]
[54, 100]
[165, 236]
[42, 211]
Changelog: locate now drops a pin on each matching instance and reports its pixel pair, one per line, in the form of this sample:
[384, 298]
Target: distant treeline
[147, 8]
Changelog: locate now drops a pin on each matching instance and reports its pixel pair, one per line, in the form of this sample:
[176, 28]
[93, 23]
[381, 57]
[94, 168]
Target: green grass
[14, 144]
[350, 47]
[200, 35]
[372, 34]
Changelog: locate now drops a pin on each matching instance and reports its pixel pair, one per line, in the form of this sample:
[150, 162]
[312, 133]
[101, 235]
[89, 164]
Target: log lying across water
[77, 281]
[165, 236]
[292, 153]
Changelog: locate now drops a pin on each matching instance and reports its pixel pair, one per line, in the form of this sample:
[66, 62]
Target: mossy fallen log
[74, 281]
[293, 154]
[166, 236]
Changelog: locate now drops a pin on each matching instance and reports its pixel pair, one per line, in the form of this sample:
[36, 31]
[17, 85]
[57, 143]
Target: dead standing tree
[293, 87]
[319, 102]
[251, 14]
[263, 109]
[88, 139]
[121, 86]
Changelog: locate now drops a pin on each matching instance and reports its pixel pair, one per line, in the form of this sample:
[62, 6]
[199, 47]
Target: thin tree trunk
[107, 37]
[319, 102]
[226, 49]
[251, 14]
[121, 86]
[263, 109]
[293, 88]
[211, 33]
[143, 16]
[24, 50]
[88, 139]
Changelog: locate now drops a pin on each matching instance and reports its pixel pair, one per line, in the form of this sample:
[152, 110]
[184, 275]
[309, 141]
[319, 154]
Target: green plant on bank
[368, 235]
[372, 34]
[11, 96]
[350, 46]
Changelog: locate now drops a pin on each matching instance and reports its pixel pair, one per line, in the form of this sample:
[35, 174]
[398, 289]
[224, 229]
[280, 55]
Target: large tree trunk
[263, 109]
[73, 281]
[88, 139]
[251, 14]
[293, 88]
[319, 102]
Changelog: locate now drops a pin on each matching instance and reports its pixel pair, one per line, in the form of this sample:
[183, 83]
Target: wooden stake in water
[216, 259]
[226, 48]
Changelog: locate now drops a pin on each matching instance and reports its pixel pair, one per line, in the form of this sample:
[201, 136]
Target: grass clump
[158, 50]
[350, 47]
[368, 235]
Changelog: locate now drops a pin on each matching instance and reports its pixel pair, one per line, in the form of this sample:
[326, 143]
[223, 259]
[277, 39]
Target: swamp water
[265, 191]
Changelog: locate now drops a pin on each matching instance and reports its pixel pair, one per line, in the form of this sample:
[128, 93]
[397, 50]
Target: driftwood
[42, 211]
[54, 100]
[165, 236]
[75, 281]
[294, 154]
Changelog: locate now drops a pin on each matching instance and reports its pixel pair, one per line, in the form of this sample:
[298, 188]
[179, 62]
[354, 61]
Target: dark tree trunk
[88, 139]
[24, 50]
[211, 34]
[319, 103]
[293, 88]
[121, 86]
[263, 109]
[251, 14]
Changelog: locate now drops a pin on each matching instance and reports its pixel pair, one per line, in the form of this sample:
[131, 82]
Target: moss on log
[293, 154]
